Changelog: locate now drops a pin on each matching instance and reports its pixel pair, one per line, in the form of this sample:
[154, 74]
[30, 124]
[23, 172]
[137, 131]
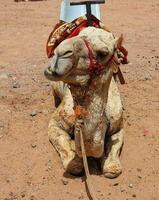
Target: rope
[85, 163]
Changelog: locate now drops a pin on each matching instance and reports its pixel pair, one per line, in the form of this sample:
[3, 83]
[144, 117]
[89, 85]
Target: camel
[82, 73]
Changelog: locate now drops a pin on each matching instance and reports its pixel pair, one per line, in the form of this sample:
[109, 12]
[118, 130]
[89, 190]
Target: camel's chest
[93, 129]
[94, 122]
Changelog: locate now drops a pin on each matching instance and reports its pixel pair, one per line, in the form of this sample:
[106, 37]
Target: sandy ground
[30, 169]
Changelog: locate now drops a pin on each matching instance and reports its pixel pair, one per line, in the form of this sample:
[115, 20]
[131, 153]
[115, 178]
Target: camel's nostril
[49, 72]
[46, 72]
[54, 74]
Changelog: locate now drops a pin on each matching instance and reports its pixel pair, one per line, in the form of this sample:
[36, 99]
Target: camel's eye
[101, 54]
[67, 53]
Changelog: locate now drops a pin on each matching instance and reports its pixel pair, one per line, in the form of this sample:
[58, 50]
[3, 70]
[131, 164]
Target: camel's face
[71, 60]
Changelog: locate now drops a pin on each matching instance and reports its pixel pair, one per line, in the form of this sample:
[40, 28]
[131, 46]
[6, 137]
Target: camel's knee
[116, 142]
[65, 147]
[63, 144]
[60, 89]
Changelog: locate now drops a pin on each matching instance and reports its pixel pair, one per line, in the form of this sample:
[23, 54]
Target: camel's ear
[119, 41]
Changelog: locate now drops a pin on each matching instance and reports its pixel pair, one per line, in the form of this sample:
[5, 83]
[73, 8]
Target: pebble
[115, 184]
[139, 170]
[32, 197]
[146, 78]
[11, 194]
[64, 181]
[130, 185]
[140, 177]
[33, 145]
[128, 123]
[16, 85]
[134, 195]
[34, 113]
[8, 181]
[23, 194]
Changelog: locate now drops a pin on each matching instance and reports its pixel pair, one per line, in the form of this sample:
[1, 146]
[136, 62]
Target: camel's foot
[75, 166]
[112, 169]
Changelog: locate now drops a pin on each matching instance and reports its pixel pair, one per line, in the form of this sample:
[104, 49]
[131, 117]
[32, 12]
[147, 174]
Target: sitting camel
[82, 73]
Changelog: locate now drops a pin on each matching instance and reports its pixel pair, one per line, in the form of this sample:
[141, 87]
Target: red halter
[95, 67]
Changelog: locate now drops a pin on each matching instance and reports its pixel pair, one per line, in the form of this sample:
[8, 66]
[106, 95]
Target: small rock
[134, 195]
[32, 197]
[16, 85]
[122, 190]
[80, 197]
[139, 170]
[34, 113]
[29, 183]
[8, 181]
[115, 184]
[11, 194]
[23, 194]
[64, 181]
[130, 185]
[129, 124]
[33, 145]
[146, 78]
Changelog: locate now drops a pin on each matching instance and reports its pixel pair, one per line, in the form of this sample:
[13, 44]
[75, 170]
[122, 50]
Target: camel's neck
[93, 97]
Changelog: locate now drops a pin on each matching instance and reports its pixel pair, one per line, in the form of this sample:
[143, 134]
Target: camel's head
[71, 60]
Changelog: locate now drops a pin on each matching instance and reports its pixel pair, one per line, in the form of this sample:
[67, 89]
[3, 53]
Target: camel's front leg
[65, 147]
[60, 130]
[111, 165]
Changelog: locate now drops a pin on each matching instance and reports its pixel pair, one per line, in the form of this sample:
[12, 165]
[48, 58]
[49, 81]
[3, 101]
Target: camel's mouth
[52, 76]
[58, 68]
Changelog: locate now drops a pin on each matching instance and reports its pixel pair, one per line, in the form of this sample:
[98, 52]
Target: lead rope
[85, 163]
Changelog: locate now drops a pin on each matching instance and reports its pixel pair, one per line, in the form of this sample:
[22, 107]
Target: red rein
[94, 66]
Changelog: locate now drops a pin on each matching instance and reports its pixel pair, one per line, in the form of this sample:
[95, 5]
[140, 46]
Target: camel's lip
[53, 76]
[49, 75]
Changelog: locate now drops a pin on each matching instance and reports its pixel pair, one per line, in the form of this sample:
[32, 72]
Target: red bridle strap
[94, 66]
